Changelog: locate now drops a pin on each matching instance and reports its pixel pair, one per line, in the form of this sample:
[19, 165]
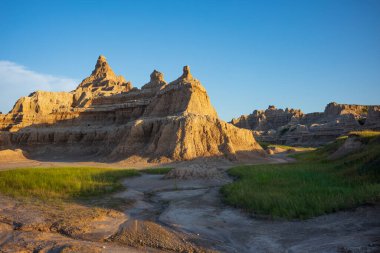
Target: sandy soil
[179, 212]
[11, 159]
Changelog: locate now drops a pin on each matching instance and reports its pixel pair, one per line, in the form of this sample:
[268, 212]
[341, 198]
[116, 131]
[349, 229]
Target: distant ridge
[293, 127]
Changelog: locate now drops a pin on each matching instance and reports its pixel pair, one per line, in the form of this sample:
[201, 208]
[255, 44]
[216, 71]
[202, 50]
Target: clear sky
[247, 54]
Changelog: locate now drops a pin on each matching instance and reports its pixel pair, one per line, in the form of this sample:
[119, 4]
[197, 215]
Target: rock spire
[186, 73]
[156, 81]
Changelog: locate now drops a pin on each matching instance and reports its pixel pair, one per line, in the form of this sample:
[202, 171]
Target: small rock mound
[351, 145]
[9, 154]
[137, 234]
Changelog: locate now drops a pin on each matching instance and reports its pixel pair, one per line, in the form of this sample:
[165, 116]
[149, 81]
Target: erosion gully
[194, 206]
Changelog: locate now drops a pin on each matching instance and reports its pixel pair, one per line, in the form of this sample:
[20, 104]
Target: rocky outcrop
[271, 118]
[42, 107]
[156, 82]
[351, 144]
[184, 95]
[293, 127]
[106, 118]
[39, 107]
[101, 82]
[10, 155]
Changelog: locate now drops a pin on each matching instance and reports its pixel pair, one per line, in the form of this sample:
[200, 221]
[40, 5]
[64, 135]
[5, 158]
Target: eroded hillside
[105, 117]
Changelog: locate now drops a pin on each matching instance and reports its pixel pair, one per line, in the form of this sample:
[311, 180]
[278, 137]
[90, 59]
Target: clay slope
[105, 118]
[293, 127]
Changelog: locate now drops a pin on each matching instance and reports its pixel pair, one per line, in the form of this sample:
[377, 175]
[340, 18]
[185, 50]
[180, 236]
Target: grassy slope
[312, 186]
[290, 147]
[266, 145]
[62, 183]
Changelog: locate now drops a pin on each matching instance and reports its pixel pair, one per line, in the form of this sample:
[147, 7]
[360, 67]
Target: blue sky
[248, 54]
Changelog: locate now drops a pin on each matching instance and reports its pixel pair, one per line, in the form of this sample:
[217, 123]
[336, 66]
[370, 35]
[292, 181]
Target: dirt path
[180, 213]
[194, 207]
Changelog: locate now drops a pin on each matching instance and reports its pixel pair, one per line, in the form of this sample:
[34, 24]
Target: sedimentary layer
[105, 117]
[293, 127]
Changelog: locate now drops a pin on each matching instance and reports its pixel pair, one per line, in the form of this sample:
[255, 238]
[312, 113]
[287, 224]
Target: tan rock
[139, 233]
[105, 118]
[292, 127]
[269, 119]
[156, 81]
[10, 155]
[101, 82]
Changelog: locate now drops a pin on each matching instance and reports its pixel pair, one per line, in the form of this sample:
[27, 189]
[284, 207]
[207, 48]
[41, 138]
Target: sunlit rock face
[101, 82]
[104, 117]
[293, 127]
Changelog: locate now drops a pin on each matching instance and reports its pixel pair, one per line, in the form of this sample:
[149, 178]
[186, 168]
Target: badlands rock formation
[105, 117]
[293, 127]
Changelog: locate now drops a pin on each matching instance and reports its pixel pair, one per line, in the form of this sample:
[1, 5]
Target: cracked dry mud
[168, 214]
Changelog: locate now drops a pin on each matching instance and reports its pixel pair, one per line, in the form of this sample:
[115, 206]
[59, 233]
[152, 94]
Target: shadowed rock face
[293, 127]
[263, 120]
[105, 117]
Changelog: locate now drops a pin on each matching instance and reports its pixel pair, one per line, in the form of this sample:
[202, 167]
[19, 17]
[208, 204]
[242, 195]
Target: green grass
[310, 187]
[266, 145]
[156, 171]
[63, 182]
[366, 134]
[300, 149]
